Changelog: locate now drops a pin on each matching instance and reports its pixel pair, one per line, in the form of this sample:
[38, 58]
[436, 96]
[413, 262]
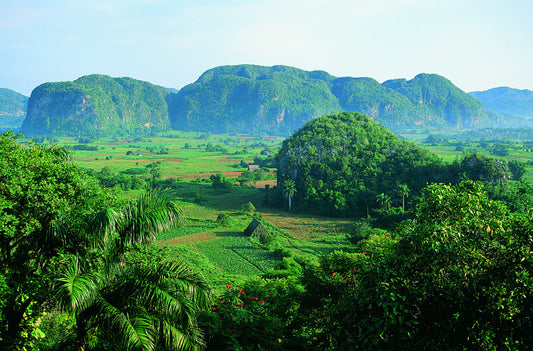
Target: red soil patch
[225, 159]
[114, 143]
[162, 159]
[189, 239]
[207, 175]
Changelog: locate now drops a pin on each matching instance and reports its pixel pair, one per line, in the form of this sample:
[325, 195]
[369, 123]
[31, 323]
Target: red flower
[213, 308]
[261, 301]
[232, 330]
[364, 252]
[240, 304]
[254, 299]
[333, 274]
[228, 286]
[387, 235]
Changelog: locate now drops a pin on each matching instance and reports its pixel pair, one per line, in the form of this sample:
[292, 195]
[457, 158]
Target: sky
[476, 44]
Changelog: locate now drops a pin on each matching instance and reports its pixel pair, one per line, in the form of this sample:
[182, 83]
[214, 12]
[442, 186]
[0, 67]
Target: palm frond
[178, 340]
[102, 225]
[56, 150]
[143, 219]
[136, 333]
[75, 290]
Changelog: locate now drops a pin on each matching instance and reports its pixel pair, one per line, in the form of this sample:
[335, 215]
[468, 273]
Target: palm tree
[404, 192]
[143, 304]
[384, 201]
[138, 305]
[289, 189]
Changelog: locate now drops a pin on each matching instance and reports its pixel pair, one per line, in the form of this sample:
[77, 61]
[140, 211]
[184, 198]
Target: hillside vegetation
[347, 164]
[12, 109]
[250, 99]
[507, 101]
[279, 99]
[96, 105]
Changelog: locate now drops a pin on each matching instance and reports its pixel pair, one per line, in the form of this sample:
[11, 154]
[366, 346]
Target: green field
[224, 254]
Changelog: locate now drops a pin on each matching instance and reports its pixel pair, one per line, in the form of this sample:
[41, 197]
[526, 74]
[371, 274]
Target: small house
[253, 168]
[256, 229]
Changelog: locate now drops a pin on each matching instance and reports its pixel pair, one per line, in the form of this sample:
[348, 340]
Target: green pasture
[223, 254]
[231, 255]
[181, 155]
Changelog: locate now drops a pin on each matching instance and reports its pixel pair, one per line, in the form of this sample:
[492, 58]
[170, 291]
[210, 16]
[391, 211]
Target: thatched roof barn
[256, 229]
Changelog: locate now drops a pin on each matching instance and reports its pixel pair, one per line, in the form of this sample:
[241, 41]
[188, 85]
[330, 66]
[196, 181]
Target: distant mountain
[96, 105]
[436, 101]
[280, 99]
[12, 109]
[507, 101]
[250, 99]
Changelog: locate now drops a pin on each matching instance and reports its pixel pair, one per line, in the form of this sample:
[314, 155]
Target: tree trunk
[81, 333]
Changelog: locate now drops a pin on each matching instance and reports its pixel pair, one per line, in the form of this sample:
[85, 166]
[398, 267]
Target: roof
[255, 229]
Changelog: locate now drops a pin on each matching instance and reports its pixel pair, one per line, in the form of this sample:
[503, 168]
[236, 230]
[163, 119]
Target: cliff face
[436, 100]
[279, 100]
[96, 105]
[252, 99]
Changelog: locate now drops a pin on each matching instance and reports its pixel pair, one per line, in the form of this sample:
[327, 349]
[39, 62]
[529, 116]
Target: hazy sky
[477, 44]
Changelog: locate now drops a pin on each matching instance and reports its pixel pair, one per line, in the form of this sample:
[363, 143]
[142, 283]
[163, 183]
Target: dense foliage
[96, 105]
[75, 256]
[347, 164]
[79, 270]
[458, 277]
[278, 100]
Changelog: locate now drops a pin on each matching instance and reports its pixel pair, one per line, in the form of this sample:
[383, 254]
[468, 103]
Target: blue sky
[476, 44]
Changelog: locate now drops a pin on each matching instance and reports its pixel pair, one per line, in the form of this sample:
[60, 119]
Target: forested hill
[348, 165]
[96, 105]
[12, 109]
[280, 99]
[507, 101]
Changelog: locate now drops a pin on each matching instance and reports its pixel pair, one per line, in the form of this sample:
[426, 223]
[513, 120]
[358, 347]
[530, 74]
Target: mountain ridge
[506, 100]
[250, 99]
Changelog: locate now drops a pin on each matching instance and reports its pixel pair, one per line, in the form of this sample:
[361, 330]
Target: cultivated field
[222, 253]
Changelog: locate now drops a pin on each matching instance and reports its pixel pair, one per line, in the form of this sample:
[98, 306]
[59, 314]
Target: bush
[247, 208]
[223, 219]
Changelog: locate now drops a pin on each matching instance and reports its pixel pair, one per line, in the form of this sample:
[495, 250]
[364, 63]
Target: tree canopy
[341, 163]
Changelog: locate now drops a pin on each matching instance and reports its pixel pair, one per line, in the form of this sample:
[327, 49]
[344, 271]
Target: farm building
[256, 229]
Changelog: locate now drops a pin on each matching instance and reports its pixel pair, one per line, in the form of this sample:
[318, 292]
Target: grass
[223, 254]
